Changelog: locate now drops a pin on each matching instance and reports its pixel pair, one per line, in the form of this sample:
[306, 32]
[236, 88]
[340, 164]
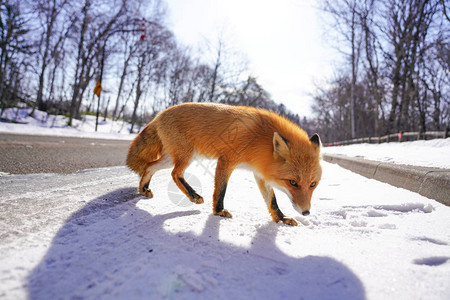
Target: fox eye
[313, 184]
[293, 182]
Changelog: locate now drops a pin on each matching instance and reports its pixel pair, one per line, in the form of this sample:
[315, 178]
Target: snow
[43, 124]
[90, 235]
[431, 153]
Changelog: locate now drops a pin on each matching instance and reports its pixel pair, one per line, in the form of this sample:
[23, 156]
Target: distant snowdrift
[44, 124]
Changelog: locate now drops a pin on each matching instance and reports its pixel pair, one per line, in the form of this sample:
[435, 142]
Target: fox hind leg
[271, 201]
[164, 162]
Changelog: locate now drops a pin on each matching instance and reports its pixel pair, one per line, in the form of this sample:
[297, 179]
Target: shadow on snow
[112, 249]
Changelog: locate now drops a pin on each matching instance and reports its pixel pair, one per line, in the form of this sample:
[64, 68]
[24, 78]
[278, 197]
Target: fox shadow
[113, 249]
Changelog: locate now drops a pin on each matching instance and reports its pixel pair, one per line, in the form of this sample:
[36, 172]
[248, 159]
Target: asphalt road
[27, 154]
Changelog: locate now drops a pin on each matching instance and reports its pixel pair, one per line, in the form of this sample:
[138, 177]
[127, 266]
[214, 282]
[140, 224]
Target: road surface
[27, 154]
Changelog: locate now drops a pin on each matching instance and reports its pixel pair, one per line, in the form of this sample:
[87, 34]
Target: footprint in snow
[325, 199]
[375, 214]
[430, 240]
[387, 226]
[358, 223]
[431, 261]
[406, 208]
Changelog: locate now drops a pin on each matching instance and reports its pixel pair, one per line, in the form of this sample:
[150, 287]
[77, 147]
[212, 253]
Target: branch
[445, 11]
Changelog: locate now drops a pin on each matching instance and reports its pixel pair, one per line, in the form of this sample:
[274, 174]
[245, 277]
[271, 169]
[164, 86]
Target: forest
[395, 70]
[392, 76]
[54, 52]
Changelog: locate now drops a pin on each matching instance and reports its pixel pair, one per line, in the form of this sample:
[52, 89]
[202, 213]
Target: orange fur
[280, 152]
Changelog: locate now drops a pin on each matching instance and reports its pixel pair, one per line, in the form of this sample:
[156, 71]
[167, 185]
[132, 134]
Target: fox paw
[223, 213]
[146, 192]
[197, 199]
[289, 221]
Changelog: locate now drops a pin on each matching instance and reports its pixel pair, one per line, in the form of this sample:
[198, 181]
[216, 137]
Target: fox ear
[315, 140]
[280, 146]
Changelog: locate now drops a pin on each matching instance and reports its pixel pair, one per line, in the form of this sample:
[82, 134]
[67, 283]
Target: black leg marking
[145, 187]
[192, 193]
[275, 208]
[219, 204]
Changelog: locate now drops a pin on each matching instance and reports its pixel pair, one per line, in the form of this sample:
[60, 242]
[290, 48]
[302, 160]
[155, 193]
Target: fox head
[296, 169]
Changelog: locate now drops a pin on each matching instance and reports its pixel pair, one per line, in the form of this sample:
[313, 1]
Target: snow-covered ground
[89, 235]
[432, 153]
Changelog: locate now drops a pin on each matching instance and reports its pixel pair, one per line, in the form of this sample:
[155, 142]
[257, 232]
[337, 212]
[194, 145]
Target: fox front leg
[279, 216]
[223, 172]
[271, 201]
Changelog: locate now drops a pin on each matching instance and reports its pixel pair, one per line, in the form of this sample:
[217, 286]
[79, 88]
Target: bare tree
[48, 12]
[95, 28]
[14, 50]
[129, 50]
[250, 93]
[201, 74]
[347, 22]
[215, 76]
[75, 44]
[151, 62]
[402, 83]
[372, 61]
[407, 30]
[226, 66]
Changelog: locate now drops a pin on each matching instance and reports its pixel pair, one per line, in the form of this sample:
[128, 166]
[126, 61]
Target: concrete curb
[433, 183]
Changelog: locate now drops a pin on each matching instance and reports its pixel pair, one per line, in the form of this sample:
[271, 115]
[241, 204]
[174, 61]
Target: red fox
[279, 152]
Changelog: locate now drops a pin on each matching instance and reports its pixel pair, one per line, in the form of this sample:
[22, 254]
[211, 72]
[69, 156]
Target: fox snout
[301, 199]
[301, 209]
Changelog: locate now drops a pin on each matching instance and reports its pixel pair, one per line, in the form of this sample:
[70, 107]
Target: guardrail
[399, 137]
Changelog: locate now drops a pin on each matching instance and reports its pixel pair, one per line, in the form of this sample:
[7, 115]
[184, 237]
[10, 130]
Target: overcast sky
[281, 39]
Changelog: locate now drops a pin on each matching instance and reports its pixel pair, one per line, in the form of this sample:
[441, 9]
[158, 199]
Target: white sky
[282, 40]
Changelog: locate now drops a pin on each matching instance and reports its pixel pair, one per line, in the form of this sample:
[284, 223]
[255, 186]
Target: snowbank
[432, 153]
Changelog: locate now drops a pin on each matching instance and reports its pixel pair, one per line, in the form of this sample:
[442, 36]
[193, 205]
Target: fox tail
[144, 149]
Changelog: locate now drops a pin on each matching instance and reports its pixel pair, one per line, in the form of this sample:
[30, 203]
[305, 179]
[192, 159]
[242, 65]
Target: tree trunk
[122, 81]
[354, 66]
[138, 93]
